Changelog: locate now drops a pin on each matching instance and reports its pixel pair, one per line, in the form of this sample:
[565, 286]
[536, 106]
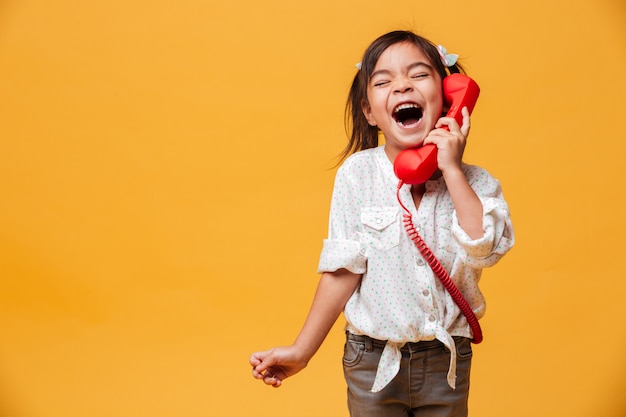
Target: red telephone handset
[417, 165]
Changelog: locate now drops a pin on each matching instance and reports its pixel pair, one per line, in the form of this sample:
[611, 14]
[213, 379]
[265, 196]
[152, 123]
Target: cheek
[373, 97]
[377, 103]
[437, 96]
[438, 103]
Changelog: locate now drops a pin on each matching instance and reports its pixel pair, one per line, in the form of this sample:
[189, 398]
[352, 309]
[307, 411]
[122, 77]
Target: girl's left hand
[450, 143]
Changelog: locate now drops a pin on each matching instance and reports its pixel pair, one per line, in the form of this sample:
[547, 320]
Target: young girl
[408, 349]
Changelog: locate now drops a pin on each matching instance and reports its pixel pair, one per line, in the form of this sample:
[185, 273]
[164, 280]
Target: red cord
[441, 273]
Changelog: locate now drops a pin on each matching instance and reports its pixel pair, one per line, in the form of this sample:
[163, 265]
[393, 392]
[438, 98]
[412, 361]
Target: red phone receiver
[417, 165]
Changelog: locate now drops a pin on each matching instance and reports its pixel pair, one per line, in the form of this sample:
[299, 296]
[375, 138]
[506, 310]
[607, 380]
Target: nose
[403, 85]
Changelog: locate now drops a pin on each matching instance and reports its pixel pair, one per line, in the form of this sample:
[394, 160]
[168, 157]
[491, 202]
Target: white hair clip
[447, 59]
[358, 66]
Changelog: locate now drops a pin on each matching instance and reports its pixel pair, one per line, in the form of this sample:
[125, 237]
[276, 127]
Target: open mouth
[407, 114]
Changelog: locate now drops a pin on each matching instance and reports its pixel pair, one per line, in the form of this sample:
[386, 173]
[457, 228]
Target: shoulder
[481, 180]
[362, 157]
[359, 162]
[475, 172]
[359, 171]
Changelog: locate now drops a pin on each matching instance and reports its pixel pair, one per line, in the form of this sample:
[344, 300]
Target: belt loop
[369, 344]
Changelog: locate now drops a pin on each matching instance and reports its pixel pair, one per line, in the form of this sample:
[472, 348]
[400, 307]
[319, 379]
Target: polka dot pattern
[400, 299]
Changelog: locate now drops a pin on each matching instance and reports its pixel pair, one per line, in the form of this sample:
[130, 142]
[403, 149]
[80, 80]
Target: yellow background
[165, 174]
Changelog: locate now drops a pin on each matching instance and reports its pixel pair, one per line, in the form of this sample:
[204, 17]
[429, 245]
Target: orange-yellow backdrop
[165, 174]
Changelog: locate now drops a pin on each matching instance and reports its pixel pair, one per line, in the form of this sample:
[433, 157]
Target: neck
[417, 191]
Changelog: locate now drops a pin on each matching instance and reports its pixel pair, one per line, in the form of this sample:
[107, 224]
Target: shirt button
[379, 220]
[420, 262]
[425, 293]
[431, 318]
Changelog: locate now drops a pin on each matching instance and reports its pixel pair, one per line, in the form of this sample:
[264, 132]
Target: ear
[367, 112]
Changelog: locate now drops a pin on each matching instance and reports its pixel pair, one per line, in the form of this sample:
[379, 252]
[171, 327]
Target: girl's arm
[469, 208]
[450, 145]
[333, 292]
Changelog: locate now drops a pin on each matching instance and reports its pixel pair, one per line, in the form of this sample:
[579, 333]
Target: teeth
[405, 106]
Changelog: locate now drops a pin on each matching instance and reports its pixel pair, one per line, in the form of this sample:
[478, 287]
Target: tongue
[409, 122]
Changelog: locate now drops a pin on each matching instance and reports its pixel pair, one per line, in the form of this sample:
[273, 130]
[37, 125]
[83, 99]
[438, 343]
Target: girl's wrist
[303, 351]
[452, 173]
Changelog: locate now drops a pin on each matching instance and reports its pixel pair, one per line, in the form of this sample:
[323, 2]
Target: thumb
[465, 127]
[260, 361]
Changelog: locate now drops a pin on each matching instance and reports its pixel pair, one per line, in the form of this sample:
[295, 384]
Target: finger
[277, 381]
[254, 359]
[259, 371]
[271, 379]
[445, 126]
[262, 360]
[258, 374]
[443, 123]
[466, 121]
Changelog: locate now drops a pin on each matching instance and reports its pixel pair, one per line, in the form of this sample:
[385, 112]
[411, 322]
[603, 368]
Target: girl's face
[404, 97]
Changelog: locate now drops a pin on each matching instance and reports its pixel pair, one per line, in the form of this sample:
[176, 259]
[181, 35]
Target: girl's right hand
[274, 365]
[450, 139]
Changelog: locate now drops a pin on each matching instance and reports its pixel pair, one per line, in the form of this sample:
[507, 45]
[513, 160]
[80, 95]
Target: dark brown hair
[361, 134]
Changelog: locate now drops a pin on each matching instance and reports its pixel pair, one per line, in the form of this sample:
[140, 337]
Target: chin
[412, 142]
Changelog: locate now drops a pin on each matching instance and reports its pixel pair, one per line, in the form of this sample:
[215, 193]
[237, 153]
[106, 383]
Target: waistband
[408, 347]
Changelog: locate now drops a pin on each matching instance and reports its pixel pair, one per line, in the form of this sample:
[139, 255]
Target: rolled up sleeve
[343, 248]
[498, 238]
[342, 253]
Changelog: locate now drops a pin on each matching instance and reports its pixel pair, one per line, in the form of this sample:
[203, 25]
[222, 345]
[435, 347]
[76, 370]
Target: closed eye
[380, 83]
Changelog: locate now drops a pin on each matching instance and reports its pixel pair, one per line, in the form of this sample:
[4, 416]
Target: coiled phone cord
[439, 270]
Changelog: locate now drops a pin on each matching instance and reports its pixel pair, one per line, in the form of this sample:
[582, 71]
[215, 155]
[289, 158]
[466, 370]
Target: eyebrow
[409, 67]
